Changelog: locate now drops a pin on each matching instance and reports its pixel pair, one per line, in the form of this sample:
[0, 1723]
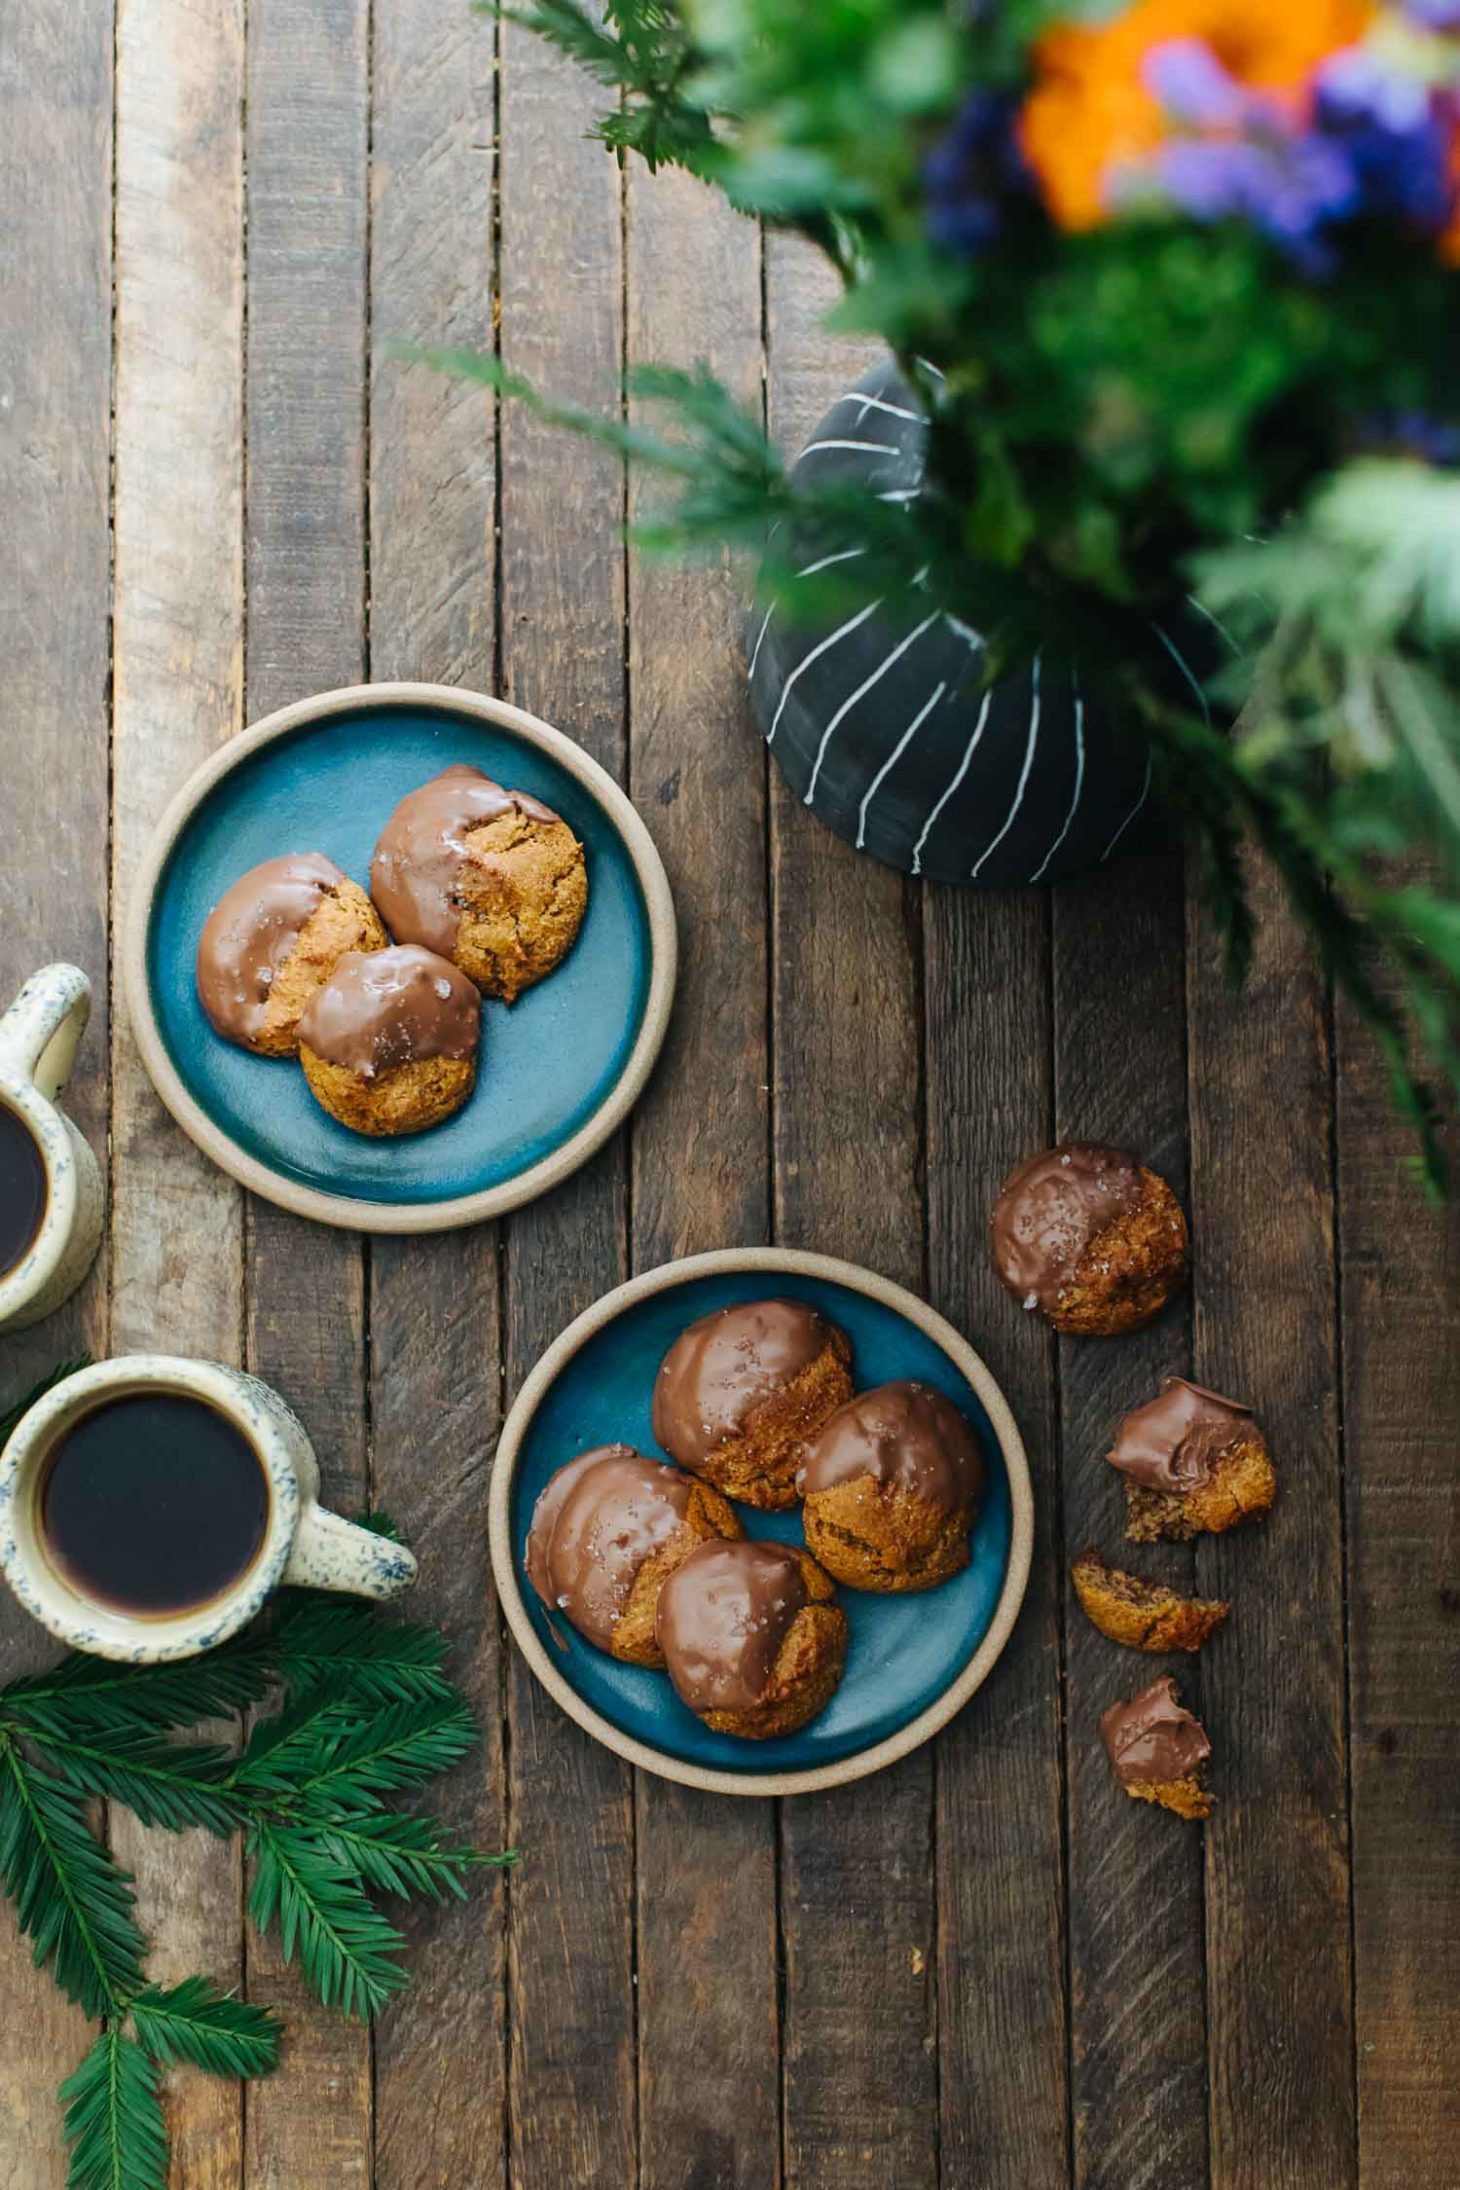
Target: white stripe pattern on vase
[1130, 817]
[963, 765]
[843, 555]
[893, 758]
[1010, 818]
[867, 448]
[877, 403]
[861, 692]
[1079, 697]
[1186, 670]
[1215, 621]
[816, 653]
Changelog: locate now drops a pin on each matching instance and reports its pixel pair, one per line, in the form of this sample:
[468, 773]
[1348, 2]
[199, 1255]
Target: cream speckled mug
[38, 1038]
[301, 1542]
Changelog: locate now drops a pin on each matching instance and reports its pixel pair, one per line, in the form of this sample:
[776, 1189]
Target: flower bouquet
[1168, 439]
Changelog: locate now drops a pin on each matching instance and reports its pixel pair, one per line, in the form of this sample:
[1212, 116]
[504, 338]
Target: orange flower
[1090, 109]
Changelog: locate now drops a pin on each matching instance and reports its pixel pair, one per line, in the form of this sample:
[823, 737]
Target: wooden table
[985, 1970]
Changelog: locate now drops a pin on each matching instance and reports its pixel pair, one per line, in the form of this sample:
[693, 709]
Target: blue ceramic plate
[911, 1661]
[558, 1069]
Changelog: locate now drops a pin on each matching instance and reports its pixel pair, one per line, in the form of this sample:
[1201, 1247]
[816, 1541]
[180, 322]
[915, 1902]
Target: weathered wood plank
[306, 374]
[1000, 1781]
[55, 391]
[573, 2113]
[1400, 1263]
[1279, 2010]
[858, 1865]
[440, 2067]
[1137, 2048]
[176, 1227]
[706, 1867]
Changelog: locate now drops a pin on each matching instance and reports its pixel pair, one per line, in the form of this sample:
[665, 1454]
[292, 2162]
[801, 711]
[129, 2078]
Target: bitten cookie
[1193, 1462]
[389, 1044]
[740, 1391]
[1091, 1238]
[751, 1637]
[272, 940]
[1142, 1615]
[891, 1484]
[1158, 1750]
[607, 1530]
[488, 878]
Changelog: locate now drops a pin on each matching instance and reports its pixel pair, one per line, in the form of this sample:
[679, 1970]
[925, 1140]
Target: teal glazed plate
[911, 1661]
[560, 1069]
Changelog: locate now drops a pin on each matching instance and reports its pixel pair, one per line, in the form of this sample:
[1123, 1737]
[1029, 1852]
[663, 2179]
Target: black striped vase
[885, 734]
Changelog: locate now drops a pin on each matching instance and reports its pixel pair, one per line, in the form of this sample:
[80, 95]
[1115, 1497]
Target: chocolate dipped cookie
[752, 1640]
[389, 1043]
[892, 1483]
[271, 942]
[740, 1391]
[1093, 1240]
[1193, 1463]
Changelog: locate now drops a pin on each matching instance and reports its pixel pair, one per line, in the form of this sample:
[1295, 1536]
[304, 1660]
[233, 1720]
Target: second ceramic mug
[38, 1038]
[302, 1542]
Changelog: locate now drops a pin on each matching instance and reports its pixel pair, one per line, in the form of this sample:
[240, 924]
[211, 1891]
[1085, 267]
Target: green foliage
[114, 2121]
[368, 1712]
[1105, 410]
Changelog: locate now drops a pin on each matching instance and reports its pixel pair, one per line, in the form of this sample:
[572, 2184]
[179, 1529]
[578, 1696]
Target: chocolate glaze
[595, 1523]
[907, 1434]
[416, 871]
[1050, 1209]
[251, 931]
[723, 1616]
[392, 1007]
[1174, 1442]
[1152, 1739]
[719, 1370]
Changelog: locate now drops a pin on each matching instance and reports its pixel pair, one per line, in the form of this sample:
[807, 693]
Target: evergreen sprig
[365, 1712]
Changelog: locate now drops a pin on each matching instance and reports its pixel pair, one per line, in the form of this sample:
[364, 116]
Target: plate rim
[800, 1263]
[348, 1212]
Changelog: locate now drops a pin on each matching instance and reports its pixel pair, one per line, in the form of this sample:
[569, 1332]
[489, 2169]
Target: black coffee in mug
[153, 1502]
[23, 1188]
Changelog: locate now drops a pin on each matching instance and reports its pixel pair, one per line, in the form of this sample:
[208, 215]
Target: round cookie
[607, 1530]
[488, 878]
[1091, 1238]
[274, 938]
[389, 1043]
[740, 1391]
[753, 1642]
[891, 1484]
[1193, 1463]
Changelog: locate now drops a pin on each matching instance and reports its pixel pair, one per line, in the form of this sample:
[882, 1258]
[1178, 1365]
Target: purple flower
[972, 172]
[1412, 433]
[1290, 190]
[1194, 87]
[1439, 15]
[1394, 140]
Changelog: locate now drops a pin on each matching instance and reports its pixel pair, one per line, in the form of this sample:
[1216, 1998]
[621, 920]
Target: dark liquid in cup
[22, 1188]
[153, 1503]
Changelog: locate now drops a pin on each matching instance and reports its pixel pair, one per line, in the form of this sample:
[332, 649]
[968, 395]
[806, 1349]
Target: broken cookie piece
[1142, 1615]
[1194, 1463]
[1158, 1751]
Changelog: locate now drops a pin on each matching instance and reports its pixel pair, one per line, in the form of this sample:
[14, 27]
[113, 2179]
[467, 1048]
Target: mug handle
[39, 1033]
[329, 1553]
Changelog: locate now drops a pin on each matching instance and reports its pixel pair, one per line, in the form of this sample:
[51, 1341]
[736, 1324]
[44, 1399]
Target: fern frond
[347, 1951]
[212, 2030]
[114, 2120]
[73, 1902]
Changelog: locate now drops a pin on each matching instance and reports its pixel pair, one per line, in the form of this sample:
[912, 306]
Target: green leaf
[82, 1696]
[346, 1949]
[174, 1785]
[114, 2121]
[72, 1900]
[404, 1855]
[329, 1643]
[212, 2030]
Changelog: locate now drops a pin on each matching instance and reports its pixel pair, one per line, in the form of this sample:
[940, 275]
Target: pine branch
[82, 1697]
[72, 1900]
[345, 1948]
[212, 2030]
[396, 1748]
[114, 2120]
[174, 1785]
[403, 1855]
[330, 1646]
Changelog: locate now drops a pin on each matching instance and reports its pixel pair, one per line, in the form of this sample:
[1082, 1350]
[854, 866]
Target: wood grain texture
[306, 400]
[177, 1259]
[573, 2107]
[1000, 1781]
[858, 1865]
[1277, 1879]
[436, 1342]
[55, 389]
[706, 1869]
[1138, 2053]
[1400, 1263]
